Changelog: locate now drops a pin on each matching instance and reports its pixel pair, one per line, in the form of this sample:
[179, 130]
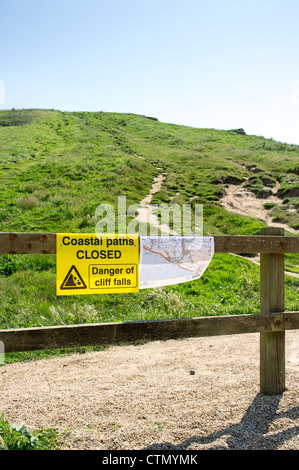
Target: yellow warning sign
[96, 264]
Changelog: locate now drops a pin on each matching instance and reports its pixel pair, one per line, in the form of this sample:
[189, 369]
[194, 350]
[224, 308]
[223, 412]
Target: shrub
[19, 438]
[27, 202]
[7, 265]
[269, 205]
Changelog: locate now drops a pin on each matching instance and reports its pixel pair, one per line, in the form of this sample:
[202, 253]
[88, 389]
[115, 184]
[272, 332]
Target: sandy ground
[192, 394]
[146, 214]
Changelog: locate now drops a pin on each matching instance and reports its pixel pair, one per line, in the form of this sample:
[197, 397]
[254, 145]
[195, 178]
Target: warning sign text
[112, 276]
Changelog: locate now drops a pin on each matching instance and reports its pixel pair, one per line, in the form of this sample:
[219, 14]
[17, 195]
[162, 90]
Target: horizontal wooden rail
[68, 336]
[45, 243]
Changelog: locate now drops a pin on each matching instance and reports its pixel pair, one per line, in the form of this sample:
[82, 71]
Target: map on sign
[167, 260]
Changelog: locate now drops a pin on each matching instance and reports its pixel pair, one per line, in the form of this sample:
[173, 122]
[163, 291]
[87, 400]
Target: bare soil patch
[242, 201]
[145, 212]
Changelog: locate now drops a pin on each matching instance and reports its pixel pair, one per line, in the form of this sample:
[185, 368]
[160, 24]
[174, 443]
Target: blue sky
[219, 64]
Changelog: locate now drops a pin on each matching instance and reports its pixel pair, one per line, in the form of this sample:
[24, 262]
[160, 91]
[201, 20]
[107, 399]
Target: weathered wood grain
[272, 299]
[256, 244]
[27, 243]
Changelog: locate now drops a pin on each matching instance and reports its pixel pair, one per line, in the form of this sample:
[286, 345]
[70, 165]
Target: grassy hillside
[57, 167]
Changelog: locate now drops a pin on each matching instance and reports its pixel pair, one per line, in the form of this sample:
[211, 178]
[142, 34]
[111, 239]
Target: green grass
[57, 167]
[18, 437]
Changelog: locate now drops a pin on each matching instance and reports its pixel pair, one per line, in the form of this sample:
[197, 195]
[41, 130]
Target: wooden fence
[271, 322]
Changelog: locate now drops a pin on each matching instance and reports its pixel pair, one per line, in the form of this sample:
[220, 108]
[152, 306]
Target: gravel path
[193, 394]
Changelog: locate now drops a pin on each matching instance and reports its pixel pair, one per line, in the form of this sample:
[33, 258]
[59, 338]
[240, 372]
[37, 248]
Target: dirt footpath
[193, 394]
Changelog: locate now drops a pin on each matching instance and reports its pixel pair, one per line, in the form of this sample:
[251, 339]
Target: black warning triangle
[73, 280]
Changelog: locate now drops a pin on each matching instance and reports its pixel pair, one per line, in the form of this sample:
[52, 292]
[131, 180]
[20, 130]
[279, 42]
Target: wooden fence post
[272, 299]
